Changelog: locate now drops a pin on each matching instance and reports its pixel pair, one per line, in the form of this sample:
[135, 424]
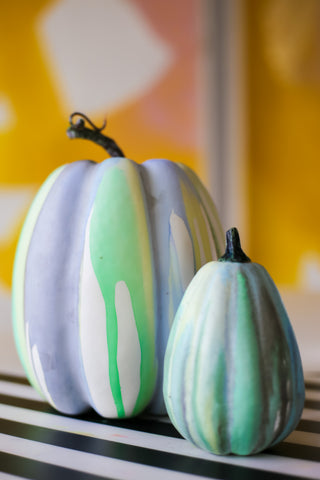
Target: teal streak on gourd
[233, 380]
[247, 401]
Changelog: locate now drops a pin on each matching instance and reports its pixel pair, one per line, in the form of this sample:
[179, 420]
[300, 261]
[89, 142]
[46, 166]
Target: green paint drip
[247, 400]
[121, 251]
[218, 440]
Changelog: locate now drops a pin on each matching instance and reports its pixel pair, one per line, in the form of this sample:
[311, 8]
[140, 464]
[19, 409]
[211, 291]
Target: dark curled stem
[79, 129]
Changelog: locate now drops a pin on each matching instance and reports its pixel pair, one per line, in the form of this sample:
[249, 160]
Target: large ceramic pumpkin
[104, 257]
[233, 380]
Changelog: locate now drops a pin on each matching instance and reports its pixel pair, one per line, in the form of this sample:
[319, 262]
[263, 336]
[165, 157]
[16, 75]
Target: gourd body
[233, 380]
[104, 257]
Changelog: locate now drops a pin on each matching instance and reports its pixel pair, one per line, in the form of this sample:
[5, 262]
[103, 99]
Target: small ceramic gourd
[233, 380]
[105, 254]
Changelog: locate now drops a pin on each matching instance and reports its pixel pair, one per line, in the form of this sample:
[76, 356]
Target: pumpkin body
[104, 257]
[233, 380]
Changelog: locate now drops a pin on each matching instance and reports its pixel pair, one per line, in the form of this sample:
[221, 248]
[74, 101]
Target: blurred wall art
[231, 88]
[136, 62]
[283, 111]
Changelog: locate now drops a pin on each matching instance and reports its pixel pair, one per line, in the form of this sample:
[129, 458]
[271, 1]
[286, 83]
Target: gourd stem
[234, 252]
[79, 130]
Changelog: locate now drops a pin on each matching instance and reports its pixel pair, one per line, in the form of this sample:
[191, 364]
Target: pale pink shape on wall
[102, 54]
[178, 105]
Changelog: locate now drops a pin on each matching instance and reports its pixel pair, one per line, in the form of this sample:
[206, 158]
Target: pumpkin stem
[79, 130]
[234, 252]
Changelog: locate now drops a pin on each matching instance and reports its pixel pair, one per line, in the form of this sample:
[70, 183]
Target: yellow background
[161, 123]
[282, 96]
[283, 93]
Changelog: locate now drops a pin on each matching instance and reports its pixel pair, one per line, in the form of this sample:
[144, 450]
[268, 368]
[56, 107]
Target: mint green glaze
[123, 253]
[247, 400]
[217, 430]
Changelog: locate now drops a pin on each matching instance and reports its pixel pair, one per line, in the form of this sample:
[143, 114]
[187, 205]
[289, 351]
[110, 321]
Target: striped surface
[104, 257]
[36, 442]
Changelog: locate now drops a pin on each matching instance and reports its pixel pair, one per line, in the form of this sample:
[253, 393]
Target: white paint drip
[129, 350]
[101, 53]
[277, 421]
[93, 336]
[183, 246]
[40, 375]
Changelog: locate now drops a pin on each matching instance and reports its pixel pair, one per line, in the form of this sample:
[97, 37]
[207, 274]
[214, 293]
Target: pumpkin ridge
[87, 345]
[209, 208]
[230, 294]
[221, 380]
[255, 292]
[246, 399]
[130, 237]
[172, 202]
[192, 370]
[282, 353]
[93, 334]
[175, 370]
[21, 336]
[52, 293]
[193, 214]
[295, 374]
[154, 206]
[178, 416]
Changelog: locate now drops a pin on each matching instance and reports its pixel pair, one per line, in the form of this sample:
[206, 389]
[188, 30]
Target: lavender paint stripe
[52, 282]
[161, 179]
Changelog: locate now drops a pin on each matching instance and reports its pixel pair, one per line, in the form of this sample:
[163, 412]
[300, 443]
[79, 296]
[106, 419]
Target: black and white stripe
[38, 442]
